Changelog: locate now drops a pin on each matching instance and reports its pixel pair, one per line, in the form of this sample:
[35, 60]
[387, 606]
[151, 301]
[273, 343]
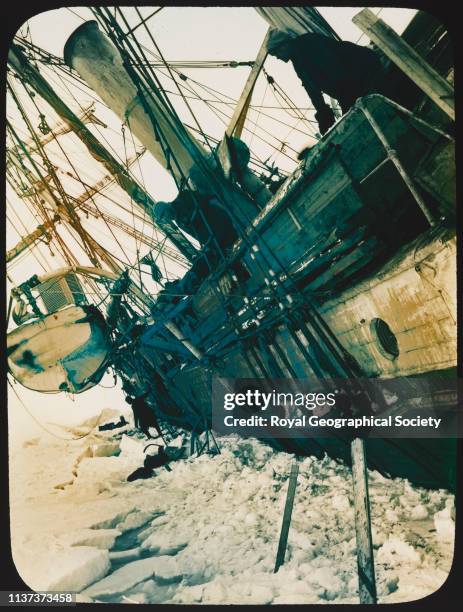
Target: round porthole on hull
[385, 338]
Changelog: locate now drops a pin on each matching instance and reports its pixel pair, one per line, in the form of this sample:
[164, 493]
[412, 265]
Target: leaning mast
[29, 73]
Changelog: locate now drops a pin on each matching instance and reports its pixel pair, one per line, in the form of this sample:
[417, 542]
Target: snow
[395, 550]
[65, 569]
[419, 513]
[164, 568]
[135, 519]
[444, 522]
[207, 532]
[99, 538]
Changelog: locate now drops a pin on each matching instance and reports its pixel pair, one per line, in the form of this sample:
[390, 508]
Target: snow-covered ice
[120, 581]
[207, 531]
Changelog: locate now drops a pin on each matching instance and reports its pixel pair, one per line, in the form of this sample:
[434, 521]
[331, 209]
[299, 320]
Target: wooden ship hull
[349, 270]
[342, 245]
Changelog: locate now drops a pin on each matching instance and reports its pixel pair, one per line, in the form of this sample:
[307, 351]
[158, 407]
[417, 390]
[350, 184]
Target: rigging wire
[252, 107]
[246, 239]
[210, 105]
[67, 255]
[96, 127]
[43, 426]
[73, 218]
[142, 81]
[78, 177]
[143, 20]
[32, 249]
[131, 199]
[144, 219]
[74, 170]
[114, 25]
[75, 14]
[170, 72]
[170, 252]
[256, 126]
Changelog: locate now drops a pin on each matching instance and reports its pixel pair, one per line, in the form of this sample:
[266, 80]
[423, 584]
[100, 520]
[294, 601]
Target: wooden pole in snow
[287, 516]
[408, 60]
[365, 561]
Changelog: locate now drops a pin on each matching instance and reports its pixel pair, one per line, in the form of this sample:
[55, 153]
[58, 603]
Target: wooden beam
[365, 562]
[245, 98]
[28, 240]
[392, 155]
[408, 60]
[287, 516]
[42, 230]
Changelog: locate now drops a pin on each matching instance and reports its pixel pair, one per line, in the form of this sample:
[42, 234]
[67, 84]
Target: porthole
[385, 338]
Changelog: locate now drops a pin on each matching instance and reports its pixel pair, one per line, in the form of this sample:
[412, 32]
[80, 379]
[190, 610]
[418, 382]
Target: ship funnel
[90, 52]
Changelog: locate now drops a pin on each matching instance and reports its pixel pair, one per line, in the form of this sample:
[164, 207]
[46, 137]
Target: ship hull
[339, 275]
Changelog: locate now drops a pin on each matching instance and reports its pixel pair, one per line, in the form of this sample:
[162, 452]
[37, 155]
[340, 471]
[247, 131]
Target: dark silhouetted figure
[151, 462]
[202, 216]
[341, 69]
[143, 415]
[109, 426]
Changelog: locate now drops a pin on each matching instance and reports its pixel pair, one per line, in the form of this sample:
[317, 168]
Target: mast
[63, 208]
[43, 230]
[140, 104]
[98, 62]
[86, 115]
[29, 73]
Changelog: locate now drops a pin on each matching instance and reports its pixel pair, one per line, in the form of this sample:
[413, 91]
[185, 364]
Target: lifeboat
[67, 350]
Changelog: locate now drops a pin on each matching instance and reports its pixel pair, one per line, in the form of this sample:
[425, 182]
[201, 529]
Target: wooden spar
[408, 60]
[172, 327]
[365, 561]
[137, 234]
[30, 239]
[242, 119]
[81, 203]
[100, 62]
[287, 516]
[237, 121]
[42, 230]
[250, 182]
[86, 115]
[94, 249]
[29, 73]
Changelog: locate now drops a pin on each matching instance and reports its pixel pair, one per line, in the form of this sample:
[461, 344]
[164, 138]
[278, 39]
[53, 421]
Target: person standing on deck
[341, 69]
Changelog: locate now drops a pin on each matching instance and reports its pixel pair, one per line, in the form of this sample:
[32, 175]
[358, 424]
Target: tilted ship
[348, 269]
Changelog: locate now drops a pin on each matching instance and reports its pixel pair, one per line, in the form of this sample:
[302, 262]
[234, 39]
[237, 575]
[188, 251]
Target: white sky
[182, 33]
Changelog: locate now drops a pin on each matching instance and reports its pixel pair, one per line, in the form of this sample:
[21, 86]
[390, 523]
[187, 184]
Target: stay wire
[51, 433]
[80, 181]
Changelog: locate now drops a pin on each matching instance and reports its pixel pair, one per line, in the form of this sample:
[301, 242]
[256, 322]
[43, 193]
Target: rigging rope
[47, 430]
[73, 218]
[191, 80]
